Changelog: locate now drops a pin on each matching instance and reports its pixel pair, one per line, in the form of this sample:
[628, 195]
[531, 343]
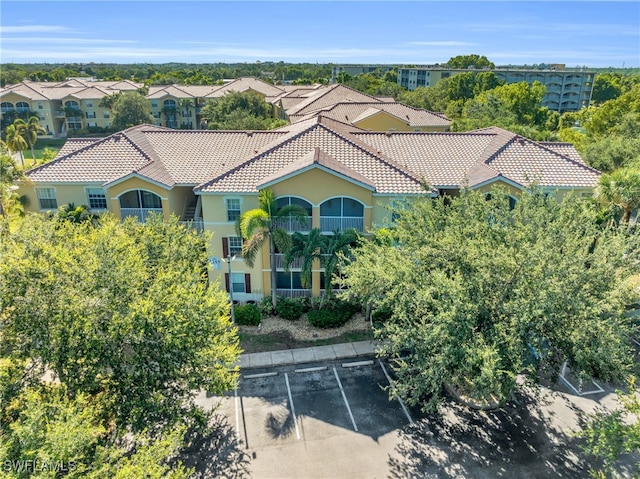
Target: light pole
[233, 313]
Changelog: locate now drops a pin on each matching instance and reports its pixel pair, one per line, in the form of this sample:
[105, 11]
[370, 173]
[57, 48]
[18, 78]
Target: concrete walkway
[308, 355]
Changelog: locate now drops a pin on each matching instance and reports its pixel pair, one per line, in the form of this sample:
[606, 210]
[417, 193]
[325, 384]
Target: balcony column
[315, 217]
[315, 279]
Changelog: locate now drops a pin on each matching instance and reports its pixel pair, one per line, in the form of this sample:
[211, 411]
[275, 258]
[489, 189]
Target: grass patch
[254, 342]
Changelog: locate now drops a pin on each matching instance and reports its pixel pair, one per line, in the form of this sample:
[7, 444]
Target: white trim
[309, 168]
[55, 197]
[140, 189]
[86, 192]
[135, 174]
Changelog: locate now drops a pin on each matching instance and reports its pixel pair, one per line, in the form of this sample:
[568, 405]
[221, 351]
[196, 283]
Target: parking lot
[334, 418]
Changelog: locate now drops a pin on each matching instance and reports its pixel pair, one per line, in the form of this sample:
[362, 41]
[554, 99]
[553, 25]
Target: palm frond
[252, 246]
[253, 221]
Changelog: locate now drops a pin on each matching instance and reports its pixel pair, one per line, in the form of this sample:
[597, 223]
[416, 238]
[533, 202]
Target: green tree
[262, 225]
[336, 247]
[609, 435]
[16, 142]
[33, 128]
[473, 60]
[621, 189]
[612, 152]
[239, 111]
[130, 109]
[474, 286]
[120, 312]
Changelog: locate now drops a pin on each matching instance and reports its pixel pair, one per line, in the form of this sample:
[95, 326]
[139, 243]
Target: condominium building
[342, 175]
[567, 90]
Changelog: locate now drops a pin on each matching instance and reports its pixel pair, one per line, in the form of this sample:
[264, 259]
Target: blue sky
[577, 33]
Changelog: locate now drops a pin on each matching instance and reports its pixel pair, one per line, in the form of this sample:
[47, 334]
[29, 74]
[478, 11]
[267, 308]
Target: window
[5, 106]
[106, 114]
[89, 104]
[47, 198]
[237, 283]
[97, 198]
[235, 246]
[233, 209]
[290, 280]
[22, 106]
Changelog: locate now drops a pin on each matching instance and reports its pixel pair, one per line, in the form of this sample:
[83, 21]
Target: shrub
[265, 306]
[382, 314]
[247, 315]
[333, 315]
[290, 308]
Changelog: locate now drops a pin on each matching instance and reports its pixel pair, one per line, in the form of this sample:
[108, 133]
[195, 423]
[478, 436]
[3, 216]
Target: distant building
[567, 90]
[354, 70]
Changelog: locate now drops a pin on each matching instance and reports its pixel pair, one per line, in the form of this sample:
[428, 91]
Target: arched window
[139, 204]
[5, 106]
[170, 113]
[22, 106]
[338, 214]
[292, 224]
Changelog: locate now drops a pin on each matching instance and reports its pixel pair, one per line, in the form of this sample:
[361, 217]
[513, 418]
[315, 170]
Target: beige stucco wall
[385, 122]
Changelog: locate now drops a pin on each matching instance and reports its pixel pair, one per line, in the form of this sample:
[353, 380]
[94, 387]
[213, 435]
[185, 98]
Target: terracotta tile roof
[74, 144]
[352, 112]
[246, 83]
[169, 90]
[330, 96]
[320, 158]
[334, 140]
[566, 149]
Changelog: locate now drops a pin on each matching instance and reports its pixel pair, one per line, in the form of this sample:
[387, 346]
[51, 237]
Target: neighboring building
[345, 177]
[354, 70]
[347, 105]
[567, 90]
[76, 104]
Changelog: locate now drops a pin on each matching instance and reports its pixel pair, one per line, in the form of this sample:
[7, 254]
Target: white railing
[280, 264]
[341, 223]
[195, 224]
[292, 225]
[294, 293]
[140, 213]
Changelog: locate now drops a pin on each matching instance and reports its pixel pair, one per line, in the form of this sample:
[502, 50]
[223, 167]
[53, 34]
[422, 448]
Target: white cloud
[443, 43]
[4, 29]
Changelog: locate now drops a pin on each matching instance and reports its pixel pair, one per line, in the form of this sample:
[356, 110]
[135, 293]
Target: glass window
[130, 200]
[283, 280]
[331, 207]
[97, 198]
[150, 200]
[235, 245]
[237, 283]
[352, 208]
[6, 106]
[233, 209]
[47, 198]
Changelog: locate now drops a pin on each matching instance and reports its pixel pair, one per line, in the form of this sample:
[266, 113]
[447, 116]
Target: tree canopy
[130, 109]
[480, 292]
[121, 322]
[473, 60]
[239, 111]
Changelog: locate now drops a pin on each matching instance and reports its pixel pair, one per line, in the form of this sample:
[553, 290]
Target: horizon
[578, 34]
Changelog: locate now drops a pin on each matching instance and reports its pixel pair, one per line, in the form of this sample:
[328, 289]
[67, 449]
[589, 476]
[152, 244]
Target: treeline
[167, 73]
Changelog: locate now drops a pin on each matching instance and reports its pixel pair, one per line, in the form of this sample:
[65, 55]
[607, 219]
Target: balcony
[294, 293]
[280, 264]
[140, 213]
[292, 225]
[329, 224]
[60, 114]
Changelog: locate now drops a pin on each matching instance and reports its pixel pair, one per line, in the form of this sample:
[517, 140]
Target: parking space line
[344, 396]
[404, 408]
[293, 409]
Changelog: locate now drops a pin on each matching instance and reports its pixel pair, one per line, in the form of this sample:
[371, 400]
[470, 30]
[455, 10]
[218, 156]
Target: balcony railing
[140, 213]
[292, 225]
[195, 224]
[280, 264]
[294, 293]
[341, 223]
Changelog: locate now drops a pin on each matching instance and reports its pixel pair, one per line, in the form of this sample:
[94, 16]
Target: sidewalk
[308, 355]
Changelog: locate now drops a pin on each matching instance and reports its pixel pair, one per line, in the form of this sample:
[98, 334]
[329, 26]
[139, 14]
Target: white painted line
[635, 341]
[293, 409]
[404, 408]
[310, 370]
[344, 396]
[357, 363]
[260, 375]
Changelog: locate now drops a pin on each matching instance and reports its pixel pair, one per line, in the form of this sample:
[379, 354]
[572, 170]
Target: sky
[576, 33]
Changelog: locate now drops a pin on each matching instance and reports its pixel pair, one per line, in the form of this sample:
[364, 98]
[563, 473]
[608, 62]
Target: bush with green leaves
[290, 308]
[266, 306]
[333, 314]
[247, 315]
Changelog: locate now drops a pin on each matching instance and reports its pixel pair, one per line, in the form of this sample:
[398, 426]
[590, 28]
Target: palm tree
[309, 247]
[261, 224]
[32, 130]
[621, 189]
[15, 138]
[335, 247]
